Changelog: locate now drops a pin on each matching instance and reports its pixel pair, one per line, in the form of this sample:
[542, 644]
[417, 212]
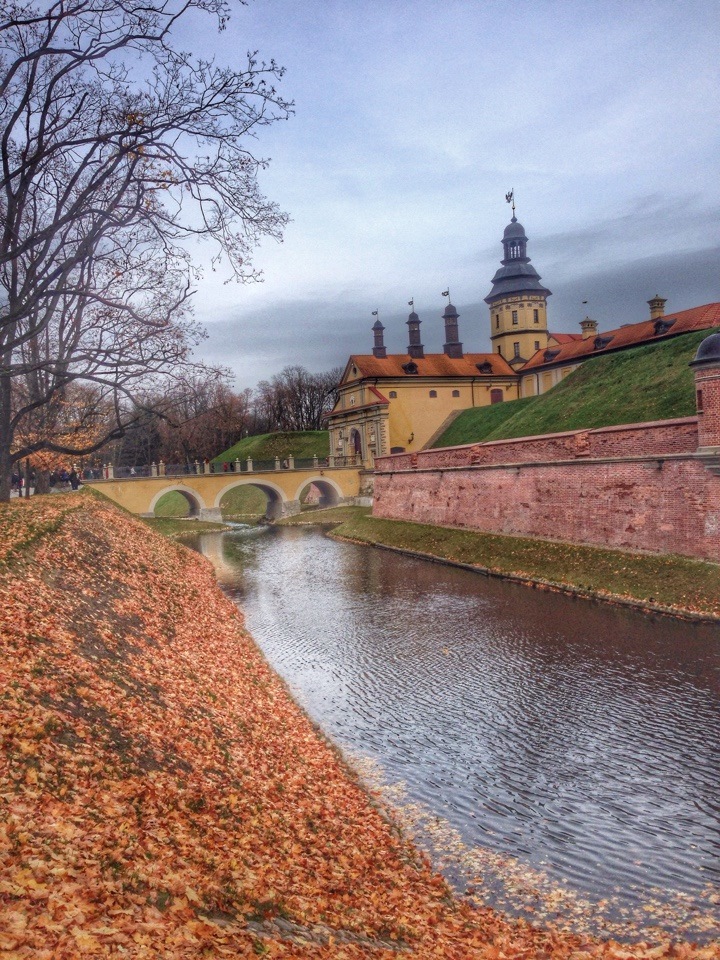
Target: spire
[415, 348]
[453, 347]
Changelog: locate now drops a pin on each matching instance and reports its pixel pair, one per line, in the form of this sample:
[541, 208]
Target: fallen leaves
[161, 796]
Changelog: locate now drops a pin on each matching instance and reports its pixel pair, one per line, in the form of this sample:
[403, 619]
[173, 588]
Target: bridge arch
[195, 501]
[330, 493]
[276, 498]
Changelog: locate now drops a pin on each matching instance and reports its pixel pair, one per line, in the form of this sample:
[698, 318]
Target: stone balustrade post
[249, 465]
[197, 467]
[315, 461]
[111, 472]
[237, 466]
[331, 460]
[291, 462]
[277, 463]
[207, 466]
[161, 468]
[153, 469]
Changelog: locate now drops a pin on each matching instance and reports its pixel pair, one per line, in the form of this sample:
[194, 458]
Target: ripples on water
[554, 754]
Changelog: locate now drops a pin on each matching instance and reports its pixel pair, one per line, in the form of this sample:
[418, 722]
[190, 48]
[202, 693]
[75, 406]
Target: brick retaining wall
[637, 487]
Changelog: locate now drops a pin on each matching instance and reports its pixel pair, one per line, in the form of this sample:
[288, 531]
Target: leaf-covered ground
[161, 796]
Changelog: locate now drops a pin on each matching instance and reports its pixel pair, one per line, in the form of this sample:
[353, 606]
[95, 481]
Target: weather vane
[510, 198]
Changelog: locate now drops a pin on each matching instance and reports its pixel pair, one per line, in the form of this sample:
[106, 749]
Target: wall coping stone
[525, 464]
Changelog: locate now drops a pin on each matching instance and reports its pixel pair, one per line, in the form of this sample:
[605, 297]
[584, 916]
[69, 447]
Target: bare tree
[116, 149]
[296, 399]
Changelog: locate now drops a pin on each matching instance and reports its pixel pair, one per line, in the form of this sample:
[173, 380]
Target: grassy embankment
[646, 383]
[677, 584]
[162, 796]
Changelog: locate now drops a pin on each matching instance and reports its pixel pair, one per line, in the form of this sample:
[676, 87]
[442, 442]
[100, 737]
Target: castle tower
[517, 301]
[452, 347]
[415, 348]
[707, 392]
[379, 344]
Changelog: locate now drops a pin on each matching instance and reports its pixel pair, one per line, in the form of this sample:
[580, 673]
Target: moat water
[558, 758]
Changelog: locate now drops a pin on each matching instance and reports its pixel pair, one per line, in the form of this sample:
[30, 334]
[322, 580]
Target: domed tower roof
[708, 353]
[450, 311]
[517, 275]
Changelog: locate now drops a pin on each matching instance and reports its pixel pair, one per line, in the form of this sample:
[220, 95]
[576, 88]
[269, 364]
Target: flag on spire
[411, 303]
[509, 197]
[445, 293]
[374, 313]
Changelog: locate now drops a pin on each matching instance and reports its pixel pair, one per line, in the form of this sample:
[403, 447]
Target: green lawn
[667, 581]
[266, 446]
[652, 382]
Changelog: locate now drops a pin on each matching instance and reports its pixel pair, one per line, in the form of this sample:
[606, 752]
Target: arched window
[433, 393]
[393, 394]
[496, 396]
[456, 393]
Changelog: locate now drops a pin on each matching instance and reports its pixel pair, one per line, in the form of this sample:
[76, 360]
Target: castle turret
[453, 347]
[707, 392]
[517, 301]
[415, 348]
[379, 345]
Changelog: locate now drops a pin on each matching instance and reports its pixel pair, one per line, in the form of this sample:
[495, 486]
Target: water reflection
[573, 747]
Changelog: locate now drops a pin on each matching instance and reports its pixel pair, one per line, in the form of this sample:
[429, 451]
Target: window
[496, 396]
[393, 394]
[537, 344]
[536, 316]
[515, 317]
[497, 321]
[433, 393]
[500, 350]
[516, 349]
[456, 393]
[352, 401]
[699, 401]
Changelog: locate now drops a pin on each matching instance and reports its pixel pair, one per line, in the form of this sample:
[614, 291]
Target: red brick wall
[628, 440]
[669, 506]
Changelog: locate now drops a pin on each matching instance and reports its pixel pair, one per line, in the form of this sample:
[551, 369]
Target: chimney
[657, 307]
[453, 347]
[588, 327]
[415, 348]
[379, 346]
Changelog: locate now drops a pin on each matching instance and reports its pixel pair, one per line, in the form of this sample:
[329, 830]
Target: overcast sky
[413, 119]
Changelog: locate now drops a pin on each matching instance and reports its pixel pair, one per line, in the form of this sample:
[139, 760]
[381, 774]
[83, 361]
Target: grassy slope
[652, 382]
[667, 581]
[267, 446]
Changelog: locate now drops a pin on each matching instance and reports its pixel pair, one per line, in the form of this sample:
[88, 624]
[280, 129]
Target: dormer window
[410, 368]
[599, 343]
[485, 366]
[663, 324]
[550, 355]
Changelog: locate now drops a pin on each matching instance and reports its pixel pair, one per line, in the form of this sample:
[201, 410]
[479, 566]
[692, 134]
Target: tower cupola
[415, 348]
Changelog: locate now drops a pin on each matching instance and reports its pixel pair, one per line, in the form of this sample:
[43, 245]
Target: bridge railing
[196, 468]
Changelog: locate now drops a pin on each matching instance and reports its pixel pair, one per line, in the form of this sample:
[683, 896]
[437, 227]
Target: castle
[392, 403]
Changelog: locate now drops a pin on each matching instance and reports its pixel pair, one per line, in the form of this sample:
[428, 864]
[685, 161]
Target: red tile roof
[566, 337]
[633, 334]
[431, 365]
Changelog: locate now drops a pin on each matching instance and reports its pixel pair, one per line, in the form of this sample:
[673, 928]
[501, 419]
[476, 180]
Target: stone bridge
[204, 491]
